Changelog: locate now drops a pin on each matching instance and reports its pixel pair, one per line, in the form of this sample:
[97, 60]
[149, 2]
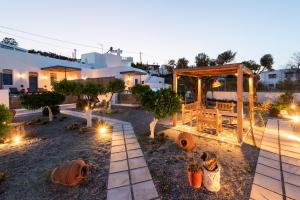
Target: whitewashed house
[20, 68]
[271, 78]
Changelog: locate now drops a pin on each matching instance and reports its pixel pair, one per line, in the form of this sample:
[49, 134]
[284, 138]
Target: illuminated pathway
[277, 173]
[129, 177]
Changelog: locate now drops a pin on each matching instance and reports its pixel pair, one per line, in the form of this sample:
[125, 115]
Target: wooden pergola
[231, 69]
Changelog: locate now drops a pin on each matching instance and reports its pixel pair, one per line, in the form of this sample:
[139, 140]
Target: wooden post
[251, 100]
[240, 104]
[175, 90]
[182, 114]
[199, 97]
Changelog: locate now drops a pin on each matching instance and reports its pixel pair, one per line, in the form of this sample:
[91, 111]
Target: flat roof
[135, 72]
[60, 68]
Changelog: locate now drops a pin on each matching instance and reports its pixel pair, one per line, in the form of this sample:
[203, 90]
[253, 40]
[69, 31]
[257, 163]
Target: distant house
[271, 78]
[35, 71]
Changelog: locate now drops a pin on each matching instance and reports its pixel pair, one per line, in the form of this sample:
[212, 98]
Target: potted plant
[195, 174]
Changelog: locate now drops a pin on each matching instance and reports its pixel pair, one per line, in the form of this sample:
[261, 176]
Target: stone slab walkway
[129, 176]
[277, 174]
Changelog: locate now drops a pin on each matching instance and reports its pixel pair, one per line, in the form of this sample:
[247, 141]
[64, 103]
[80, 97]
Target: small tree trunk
[152, 127]
[108, 108]
[50, 114]
[88, 115]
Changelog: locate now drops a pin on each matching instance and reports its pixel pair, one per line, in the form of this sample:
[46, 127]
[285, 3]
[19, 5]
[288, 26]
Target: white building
[33, 71]
[271, 78]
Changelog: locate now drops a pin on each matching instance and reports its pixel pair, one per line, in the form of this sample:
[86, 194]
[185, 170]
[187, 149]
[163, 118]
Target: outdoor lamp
[216, 84]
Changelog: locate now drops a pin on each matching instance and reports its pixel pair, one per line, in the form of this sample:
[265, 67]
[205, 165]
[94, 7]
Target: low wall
[261, 96]
[4, 97]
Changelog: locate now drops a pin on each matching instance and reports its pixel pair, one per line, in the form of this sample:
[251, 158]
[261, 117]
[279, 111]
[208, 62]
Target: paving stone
[290, 160]
[114, 137]
[121, 193]
[128, 133]
[117, 142]
[268, 171]
[118, 166]
[144, 191]
[118, 179]
[133, 146]
[258, 193]
[135, 153]
[292, 191]
[292, 178]
[118, 156]
[267, 182]
[290, 154]
[117, 149]
[129, 136]
[140, 174]
[268, 162]
[117, 133]
[131, 140]
[289, 148]
[291, 168]
[137, 162]
[269, 155]
[271, 144]
[270, 149]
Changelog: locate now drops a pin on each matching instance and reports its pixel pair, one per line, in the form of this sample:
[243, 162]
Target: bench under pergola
[231, 69]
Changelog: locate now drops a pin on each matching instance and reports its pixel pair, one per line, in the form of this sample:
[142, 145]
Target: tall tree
[295, 63]
[266, 64]
[182, 63]
[202, 60]
[171, 65]
[225, 57]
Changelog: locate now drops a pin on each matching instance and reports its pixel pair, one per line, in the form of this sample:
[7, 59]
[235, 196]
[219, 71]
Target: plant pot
[195, 178]
[211, 179]
[185, 141]
[71, 173]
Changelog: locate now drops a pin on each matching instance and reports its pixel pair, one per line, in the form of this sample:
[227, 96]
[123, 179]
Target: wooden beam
[175, 90]
[240, 104]
[199, 97]
[251, 100]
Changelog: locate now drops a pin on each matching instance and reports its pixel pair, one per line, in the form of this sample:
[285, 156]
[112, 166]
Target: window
[272, 76]
[53, 78]
[289, 75]
[7, 77]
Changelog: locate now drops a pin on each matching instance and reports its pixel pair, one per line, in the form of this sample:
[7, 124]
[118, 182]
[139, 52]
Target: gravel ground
[168, 163]
[29, 164]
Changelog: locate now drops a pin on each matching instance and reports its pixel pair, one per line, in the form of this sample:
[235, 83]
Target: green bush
[5, 118]
[274, 111]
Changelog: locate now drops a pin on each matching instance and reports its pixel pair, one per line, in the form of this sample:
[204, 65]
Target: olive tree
[5, 118]
[42, 100]
[114, 86]
[162, 103]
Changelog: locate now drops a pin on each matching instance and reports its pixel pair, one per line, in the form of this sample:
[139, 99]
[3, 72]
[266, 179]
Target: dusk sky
[160, 29]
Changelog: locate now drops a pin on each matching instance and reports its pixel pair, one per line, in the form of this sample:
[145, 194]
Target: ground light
[293, 106]
[296, 119]
[16, 139]
[102, 130]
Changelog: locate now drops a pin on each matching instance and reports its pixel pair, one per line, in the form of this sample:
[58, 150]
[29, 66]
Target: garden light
[86, 108]
[293, 106]
[296, 119]
[16, 139]
[102, 130]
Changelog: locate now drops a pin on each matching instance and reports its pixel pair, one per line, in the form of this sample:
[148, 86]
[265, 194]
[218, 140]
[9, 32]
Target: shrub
[274, 111]
[5, 118]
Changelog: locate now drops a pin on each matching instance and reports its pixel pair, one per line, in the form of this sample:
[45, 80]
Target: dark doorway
[33, 81]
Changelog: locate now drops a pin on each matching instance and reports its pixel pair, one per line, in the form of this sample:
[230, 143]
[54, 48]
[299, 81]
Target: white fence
[261, 96]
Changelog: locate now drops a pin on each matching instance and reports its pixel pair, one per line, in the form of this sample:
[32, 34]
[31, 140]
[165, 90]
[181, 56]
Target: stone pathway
[129, 177]
[277, 173]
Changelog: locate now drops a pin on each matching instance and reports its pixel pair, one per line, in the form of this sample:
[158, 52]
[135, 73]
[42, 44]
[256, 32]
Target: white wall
[22, 63]
[98, 60]
[4, 97]
[261, 96]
